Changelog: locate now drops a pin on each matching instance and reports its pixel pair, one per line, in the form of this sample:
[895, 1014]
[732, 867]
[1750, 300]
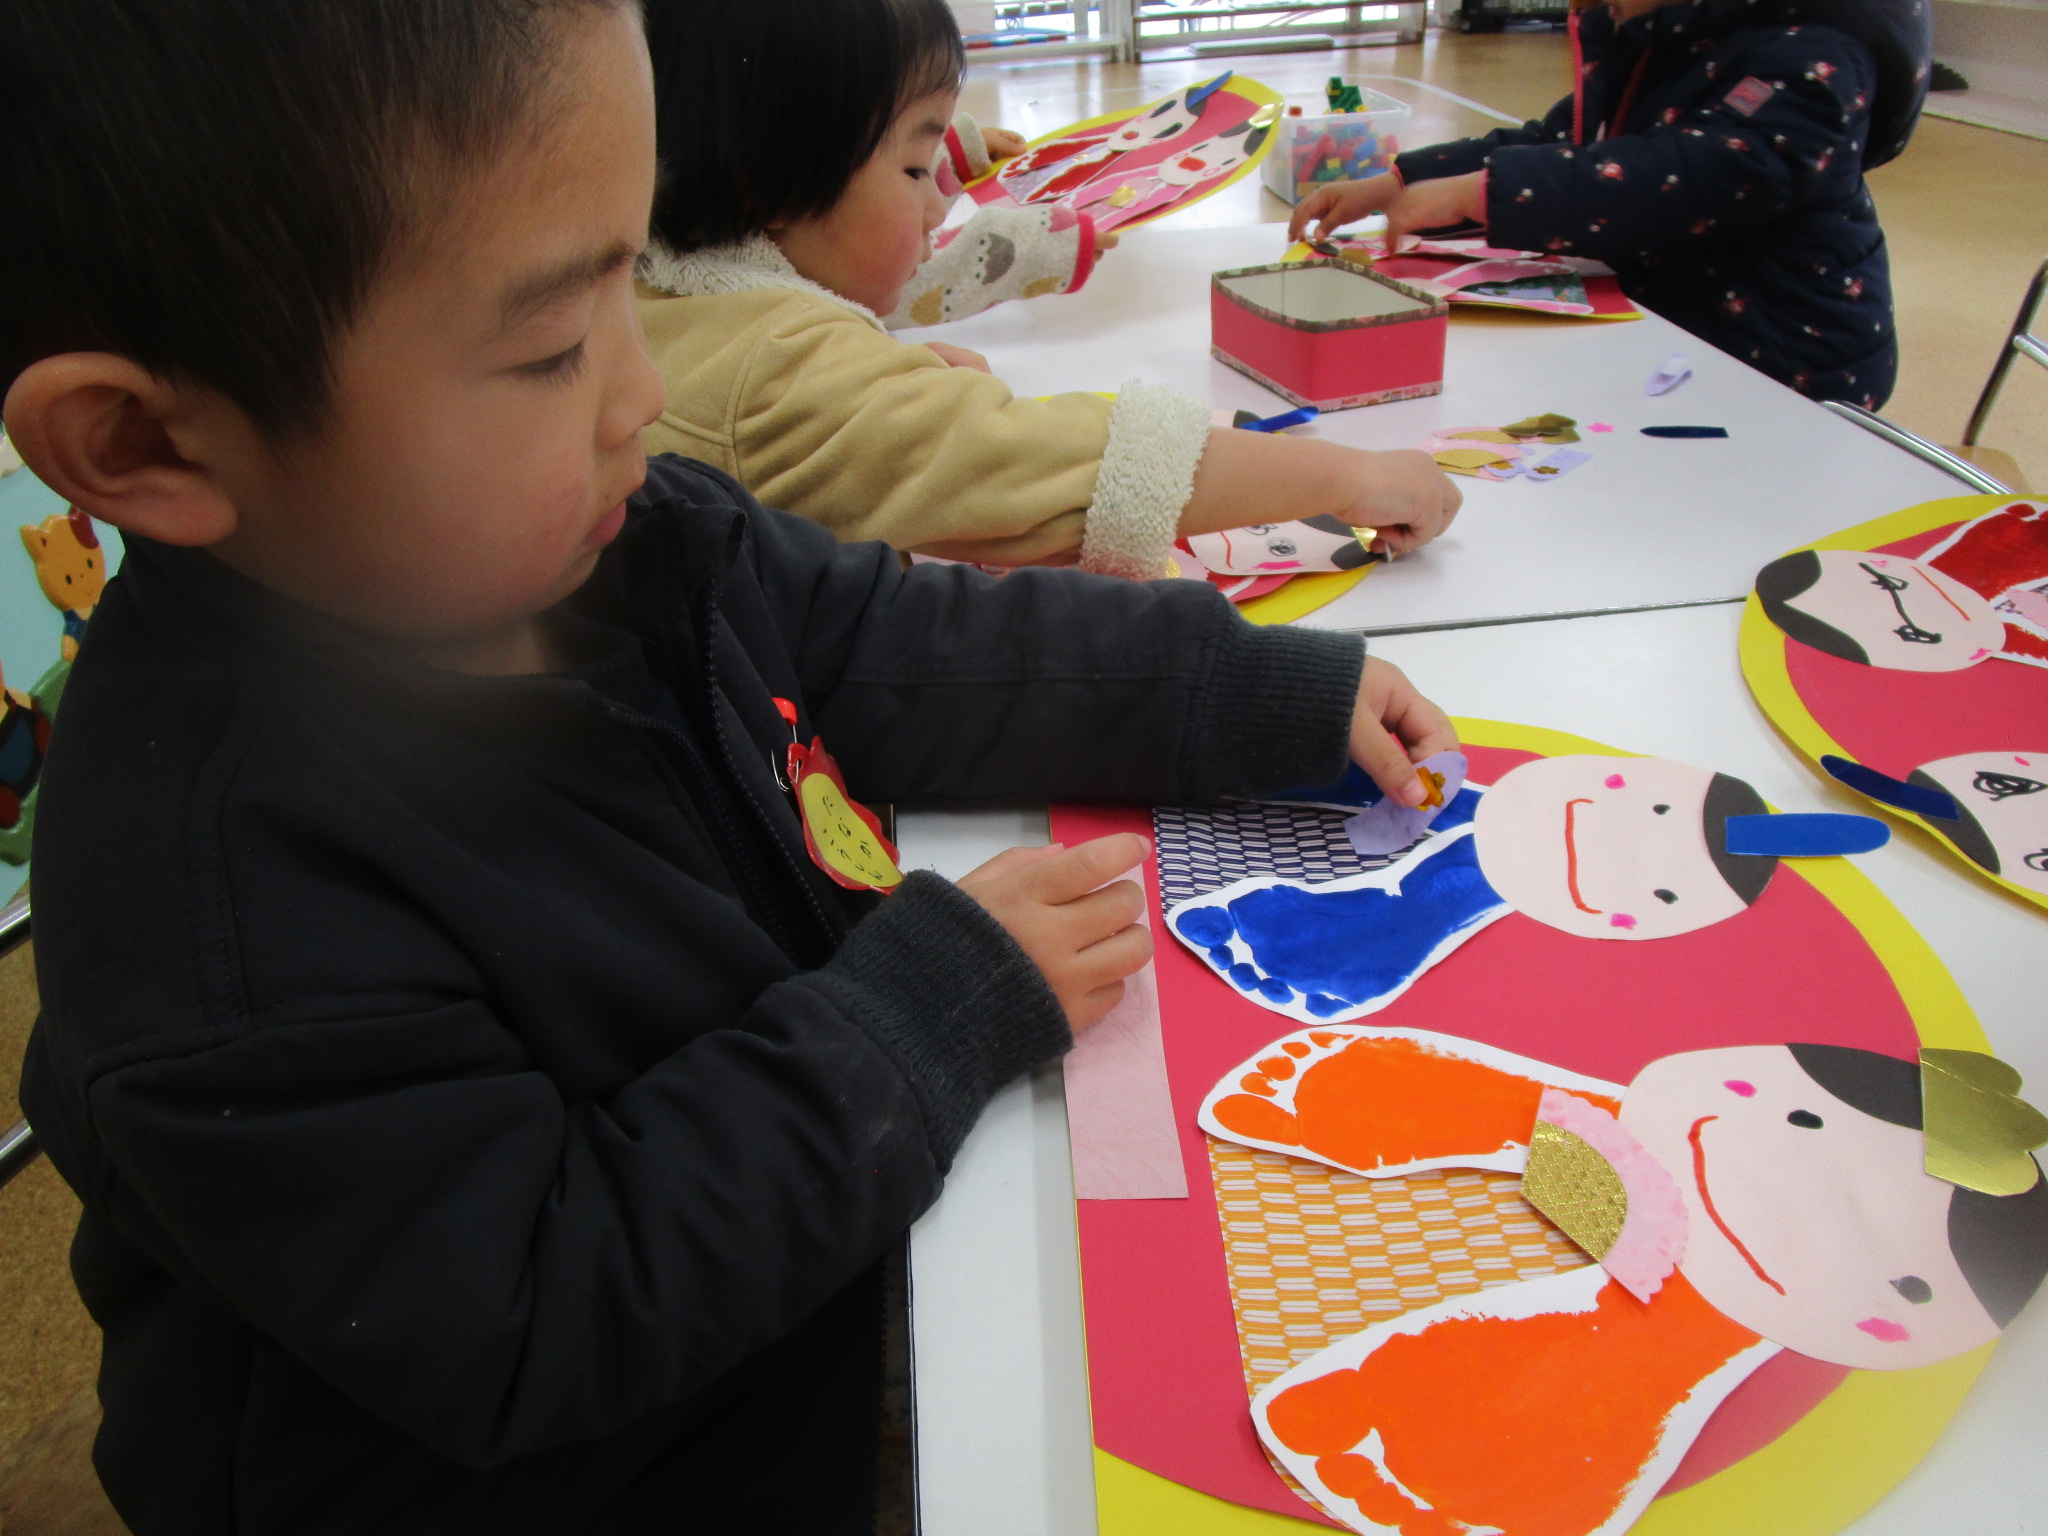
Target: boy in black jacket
[1712, 152]
[487, 1115]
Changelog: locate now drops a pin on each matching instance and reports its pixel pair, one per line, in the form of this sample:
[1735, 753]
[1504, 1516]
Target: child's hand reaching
[1388, 703]
[1402, 493]
[1436, 204]
[1002, 143]
[1330, 208]
[1085, 935]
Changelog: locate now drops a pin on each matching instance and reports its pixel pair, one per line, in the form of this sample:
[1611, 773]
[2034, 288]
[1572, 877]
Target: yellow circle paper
[846, 844]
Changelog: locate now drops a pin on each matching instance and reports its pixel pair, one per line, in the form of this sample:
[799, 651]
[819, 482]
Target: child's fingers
[1092, 1009]
[1008, 860]
[1314, 206]
[1106, 240]
[1080, 869]
[1423, 728]
[1110, 960]
[1386, 763]
[1098, 916]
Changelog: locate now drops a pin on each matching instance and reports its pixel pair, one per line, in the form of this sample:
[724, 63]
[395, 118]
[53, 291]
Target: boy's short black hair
[1786, 578]
[210, 188]
[1746, 873]
[765, 109]
[2000, 1241]
[1966, 832]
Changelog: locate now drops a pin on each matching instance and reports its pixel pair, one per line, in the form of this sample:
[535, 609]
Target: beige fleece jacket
[802, 397]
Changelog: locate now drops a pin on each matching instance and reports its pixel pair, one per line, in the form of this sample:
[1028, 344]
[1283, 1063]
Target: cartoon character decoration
[1322, 543]
[1854, 1207]
[1625, 848]
[24, 739]
[1980, 593]
[71, 568]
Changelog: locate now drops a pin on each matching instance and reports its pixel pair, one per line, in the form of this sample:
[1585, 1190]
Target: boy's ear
[118, 442]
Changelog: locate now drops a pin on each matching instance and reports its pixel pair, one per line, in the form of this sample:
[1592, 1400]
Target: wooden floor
[1966, 210]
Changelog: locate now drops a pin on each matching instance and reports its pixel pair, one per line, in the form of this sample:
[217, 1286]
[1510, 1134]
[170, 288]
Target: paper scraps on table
[1685, 431]
[1600, 426]
[1502, 453]
[1671, 373]
[1561, 462]
[1547, 428]
[1119, 1106]
[1920, 799]
[1980, 1133]
[1390, 826]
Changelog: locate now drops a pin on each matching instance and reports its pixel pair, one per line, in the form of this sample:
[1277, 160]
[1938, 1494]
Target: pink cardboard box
[1329, 334]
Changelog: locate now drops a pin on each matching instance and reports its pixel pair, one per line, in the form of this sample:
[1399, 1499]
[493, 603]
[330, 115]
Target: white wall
[2000, 47]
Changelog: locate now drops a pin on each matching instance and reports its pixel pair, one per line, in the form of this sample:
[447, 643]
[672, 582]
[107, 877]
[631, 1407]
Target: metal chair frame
[18, 1142]
[1920, 448]
[2021, 342]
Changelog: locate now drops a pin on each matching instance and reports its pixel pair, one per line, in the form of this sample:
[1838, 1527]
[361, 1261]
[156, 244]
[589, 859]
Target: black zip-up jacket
[1713, 153]
[466, 1079]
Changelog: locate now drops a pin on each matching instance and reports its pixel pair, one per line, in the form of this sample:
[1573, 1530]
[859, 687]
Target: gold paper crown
[1979, 1131]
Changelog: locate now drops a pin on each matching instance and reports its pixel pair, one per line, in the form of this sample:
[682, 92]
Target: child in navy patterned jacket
[1713, 153]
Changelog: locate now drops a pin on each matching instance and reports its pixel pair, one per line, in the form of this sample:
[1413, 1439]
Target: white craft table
[1002, 1407]
[1647, 523]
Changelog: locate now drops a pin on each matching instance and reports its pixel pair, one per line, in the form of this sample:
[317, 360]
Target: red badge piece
[843, 837]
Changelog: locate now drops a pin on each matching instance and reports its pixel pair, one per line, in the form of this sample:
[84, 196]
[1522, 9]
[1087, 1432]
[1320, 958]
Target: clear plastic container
[1335, 146]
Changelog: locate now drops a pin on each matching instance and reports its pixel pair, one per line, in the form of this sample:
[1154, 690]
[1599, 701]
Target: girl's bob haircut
[765, 109]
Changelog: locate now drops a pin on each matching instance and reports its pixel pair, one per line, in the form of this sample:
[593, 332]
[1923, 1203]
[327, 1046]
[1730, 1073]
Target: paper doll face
[1604, 847]
[1319, 544]
[1904, 615]
[1169, 117]
[1809, 1221]
[2006, 794]
[1213, 157]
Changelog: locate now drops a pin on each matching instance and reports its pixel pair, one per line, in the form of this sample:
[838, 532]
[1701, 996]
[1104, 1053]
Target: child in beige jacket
[777, 249]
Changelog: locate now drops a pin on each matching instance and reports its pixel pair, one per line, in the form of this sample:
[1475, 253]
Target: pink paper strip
[1119, 1108]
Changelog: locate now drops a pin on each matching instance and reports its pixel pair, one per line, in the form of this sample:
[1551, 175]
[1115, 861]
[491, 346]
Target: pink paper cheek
[1621, 920]
[1736, 1085]
[1615, 781]
[1885, 1329]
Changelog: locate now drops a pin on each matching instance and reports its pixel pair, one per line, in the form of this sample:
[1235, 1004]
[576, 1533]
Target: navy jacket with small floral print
[1713, 155]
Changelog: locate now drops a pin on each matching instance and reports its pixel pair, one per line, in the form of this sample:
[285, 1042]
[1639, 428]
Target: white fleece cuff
[1156, 439]
[967, 149]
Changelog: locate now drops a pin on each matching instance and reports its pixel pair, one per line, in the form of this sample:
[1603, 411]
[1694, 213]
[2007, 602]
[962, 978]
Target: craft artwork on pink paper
[1166, 1385]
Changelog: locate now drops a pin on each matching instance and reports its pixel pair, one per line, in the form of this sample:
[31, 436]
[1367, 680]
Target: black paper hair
[1966, 832]
[2000, 1242]
[765, 109]
[211, 188]
[1746, 873]
[1786, 578]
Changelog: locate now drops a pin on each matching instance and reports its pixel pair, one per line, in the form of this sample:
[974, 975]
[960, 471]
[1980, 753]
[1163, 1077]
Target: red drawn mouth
[1571, 855]
[1938, 592]
[1699, 1179]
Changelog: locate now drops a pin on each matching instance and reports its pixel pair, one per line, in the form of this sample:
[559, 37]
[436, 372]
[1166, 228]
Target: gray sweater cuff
[950, 993]
[1276, 712]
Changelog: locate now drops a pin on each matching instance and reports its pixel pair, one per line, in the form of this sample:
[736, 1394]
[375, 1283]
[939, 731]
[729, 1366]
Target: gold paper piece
[1575, 1187]
[1123, 196]
[1979, 1130]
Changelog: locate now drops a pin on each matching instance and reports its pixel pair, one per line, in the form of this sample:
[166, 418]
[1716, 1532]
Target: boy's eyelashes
[560, 368]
